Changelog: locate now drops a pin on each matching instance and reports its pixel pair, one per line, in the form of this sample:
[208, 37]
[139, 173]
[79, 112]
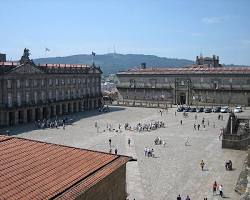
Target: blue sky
[175, 29]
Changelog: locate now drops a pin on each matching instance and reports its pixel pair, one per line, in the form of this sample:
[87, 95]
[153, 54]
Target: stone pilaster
[25, 116]
[16, 117]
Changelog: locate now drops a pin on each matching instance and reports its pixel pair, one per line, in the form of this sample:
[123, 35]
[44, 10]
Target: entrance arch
[182, 98]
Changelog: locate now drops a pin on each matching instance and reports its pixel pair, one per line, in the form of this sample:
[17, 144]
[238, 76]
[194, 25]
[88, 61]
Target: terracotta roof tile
[37, 170]
[189, 70]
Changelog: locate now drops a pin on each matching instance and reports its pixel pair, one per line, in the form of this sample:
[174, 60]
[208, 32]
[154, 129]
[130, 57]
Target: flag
[47, 49]
[93, 53]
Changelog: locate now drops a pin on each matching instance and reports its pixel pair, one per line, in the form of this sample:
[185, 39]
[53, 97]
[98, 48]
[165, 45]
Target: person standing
[116, 151]
[202, 164]
[179, 197]
[221, 190]
[188, 198]
[181, 122]
[110, 142]
[214, 187]
[129, 142]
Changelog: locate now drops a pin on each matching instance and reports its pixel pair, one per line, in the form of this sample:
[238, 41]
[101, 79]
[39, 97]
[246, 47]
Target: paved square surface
[175, 168]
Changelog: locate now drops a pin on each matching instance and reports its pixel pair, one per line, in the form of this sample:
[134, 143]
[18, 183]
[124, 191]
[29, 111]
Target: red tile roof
[37, 170]
[189, 70]
[9, 63]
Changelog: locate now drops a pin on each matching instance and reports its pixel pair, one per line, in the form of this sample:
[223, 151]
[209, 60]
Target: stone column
[60, 109]
[16, 117]
[54, 110]
[66, 108]
[25, 116]
[77, 106]
[48, 112]
[40, 115]
[33, 117]
[2, 118]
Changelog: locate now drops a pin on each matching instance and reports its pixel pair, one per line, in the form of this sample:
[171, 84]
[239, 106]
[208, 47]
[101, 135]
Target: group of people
[149, 152]
[110, 147]
[217, 187]
[159, 141]
[179, 197]
[150, 126]
[55, 123]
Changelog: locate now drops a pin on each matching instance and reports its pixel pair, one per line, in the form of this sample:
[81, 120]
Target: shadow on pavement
[19, 129]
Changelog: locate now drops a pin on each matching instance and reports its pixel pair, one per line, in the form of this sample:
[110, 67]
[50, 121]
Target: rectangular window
[50, 82]
[56, 81]
[27, 97]
[35, 83]
[19, 99]
[18, 83]
[9, 84]
[63, 82]
[26, 83]
[9, 100]
[42, 82]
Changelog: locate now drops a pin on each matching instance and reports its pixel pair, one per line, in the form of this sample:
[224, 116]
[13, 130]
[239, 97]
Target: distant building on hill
[31, 92]
[205, 83]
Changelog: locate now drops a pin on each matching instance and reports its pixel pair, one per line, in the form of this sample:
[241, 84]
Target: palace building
[205, 83]
[31, 92]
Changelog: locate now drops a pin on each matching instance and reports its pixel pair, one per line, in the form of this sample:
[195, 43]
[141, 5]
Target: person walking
[188, 198]
[221, 190]
[181, 122]
[187, 142]
[129, 142]
[194, 126]
[116, 151]
[202, 164]
[179, 197]
[110, 142]
[198, 126]
[214, 187]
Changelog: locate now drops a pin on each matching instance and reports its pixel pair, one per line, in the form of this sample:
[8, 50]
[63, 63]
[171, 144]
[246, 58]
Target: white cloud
[214, 20]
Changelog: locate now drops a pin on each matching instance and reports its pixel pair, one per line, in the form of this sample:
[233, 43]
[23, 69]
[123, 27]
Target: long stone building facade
[31, 92]
[205, 83]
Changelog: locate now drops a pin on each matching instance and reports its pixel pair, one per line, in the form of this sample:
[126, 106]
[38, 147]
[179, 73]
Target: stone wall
[112, 187]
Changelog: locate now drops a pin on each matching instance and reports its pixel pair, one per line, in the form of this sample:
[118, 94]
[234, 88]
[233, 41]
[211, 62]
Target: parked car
[186, 109]
[216, 109]
[224, 109]
[208, 110]
[180, 109]
[192, 110]
[199, 109]
[238, 109]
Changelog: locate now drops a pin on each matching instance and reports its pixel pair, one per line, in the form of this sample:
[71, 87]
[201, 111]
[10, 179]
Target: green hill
[112, 63]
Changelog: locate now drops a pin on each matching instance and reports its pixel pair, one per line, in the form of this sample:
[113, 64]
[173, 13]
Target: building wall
[198, 89]
[28, 97]
[112, 187]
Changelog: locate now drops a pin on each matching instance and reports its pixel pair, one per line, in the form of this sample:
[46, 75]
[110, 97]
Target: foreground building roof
[37, 170]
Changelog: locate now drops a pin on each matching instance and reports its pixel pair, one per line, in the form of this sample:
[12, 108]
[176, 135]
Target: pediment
[26, 69]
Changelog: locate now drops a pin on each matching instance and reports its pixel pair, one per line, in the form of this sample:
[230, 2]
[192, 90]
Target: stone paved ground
[175, 170]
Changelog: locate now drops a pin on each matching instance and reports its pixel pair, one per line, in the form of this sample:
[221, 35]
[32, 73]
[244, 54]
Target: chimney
[2, 57]
[143, 65]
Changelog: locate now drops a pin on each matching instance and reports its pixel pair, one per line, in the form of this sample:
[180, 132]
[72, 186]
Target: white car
[224, 109]
[238, 109]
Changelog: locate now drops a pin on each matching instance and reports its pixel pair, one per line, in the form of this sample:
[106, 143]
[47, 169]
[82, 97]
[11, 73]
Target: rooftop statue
[25, 58]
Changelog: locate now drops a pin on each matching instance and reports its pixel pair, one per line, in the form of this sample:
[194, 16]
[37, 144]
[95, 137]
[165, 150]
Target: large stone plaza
[174, 170]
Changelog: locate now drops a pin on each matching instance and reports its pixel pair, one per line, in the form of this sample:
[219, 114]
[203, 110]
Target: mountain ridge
[112, 63]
